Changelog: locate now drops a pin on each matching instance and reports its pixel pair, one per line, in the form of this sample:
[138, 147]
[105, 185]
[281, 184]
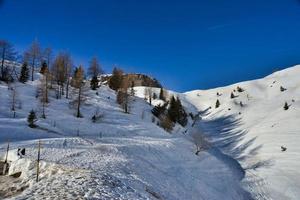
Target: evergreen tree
[24, 76]
[94, 71]
[176, 112]
[173, 110]
[182, 116]
[94, 83]
[162, 95]
[217, 103]
[31, 119]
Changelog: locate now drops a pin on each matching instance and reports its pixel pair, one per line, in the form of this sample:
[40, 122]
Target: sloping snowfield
[254, 125]
[123, 156]
[127, 156]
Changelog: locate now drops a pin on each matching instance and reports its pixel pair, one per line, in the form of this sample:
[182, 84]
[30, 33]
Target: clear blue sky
[185, 44]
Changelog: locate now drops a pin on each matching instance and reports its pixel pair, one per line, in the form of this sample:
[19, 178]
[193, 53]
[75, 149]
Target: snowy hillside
[123, 156]
[127, 156]
[253, 126]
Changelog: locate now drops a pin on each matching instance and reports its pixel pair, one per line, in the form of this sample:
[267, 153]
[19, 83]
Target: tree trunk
[67, 88]
[79, 101]
[2, 63]
[32, 69]
[46, 89]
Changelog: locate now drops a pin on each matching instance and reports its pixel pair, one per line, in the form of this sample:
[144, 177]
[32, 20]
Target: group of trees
[121, 85]
[58, 74]
[170, 112]
[65, 80]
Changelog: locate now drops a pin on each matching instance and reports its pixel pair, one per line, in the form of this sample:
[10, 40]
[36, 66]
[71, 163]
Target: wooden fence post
[5, 162]
[38, 162]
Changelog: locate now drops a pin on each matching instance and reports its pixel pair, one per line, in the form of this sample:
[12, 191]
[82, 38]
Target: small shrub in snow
[286, 106]
[232, 96]
[97, 116]
[283, 148]
[282, 89]
[241, 104]
[239, 89]
[31, 119]
[217, 103]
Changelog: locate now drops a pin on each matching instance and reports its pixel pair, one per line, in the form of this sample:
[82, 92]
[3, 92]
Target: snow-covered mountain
[254, 126]
[127, 156]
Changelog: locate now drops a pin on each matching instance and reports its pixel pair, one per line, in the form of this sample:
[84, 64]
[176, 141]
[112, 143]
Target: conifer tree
[182, 117]
[176, 112]
[94, 71]
[217, 103]
[162, 95]
[31, 119]
[24, 75]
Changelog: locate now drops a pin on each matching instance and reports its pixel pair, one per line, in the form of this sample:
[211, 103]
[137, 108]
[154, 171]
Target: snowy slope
[124, 156]
[254, 133]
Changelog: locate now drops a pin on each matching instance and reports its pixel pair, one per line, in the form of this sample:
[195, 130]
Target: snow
[259, 131]
[127, 156]
[124, 156]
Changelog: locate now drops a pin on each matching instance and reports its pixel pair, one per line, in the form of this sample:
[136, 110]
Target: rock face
[139, 80]
[143, 80]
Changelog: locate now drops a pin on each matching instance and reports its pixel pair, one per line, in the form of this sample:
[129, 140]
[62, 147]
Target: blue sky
[185, 44]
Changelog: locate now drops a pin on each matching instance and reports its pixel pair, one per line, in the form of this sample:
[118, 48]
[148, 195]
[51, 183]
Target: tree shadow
[224, 133]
